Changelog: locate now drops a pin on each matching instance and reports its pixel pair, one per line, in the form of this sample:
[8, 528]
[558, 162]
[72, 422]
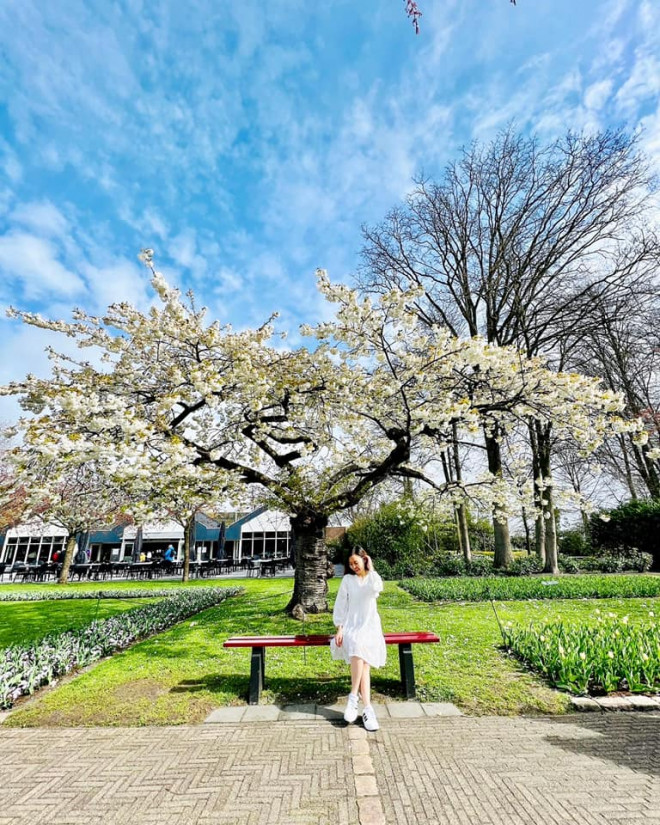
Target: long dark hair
[362, 553]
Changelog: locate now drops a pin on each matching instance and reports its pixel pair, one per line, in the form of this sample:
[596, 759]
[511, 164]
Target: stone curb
[615, 703]
[334, 713]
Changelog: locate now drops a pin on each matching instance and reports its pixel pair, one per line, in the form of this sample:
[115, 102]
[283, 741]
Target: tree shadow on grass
[324, 690]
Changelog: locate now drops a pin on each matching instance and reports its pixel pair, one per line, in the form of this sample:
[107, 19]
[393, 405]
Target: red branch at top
[413, 12]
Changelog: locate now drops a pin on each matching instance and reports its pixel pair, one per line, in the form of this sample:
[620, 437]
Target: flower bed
[57, 595]
[24, 669]
[604, 657]
[509, 589]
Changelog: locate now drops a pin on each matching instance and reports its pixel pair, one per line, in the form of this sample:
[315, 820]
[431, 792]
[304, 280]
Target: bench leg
[257, 667]
[407, 670]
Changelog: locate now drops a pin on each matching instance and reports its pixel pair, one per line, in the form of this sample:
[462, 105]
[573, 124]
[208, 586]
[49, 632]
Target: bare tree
[624, 348]
[512, 244]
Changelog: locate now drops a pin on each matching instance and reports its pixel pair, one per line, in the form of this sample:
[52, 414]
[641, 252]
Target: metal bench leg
[257, 667]
[407, 670]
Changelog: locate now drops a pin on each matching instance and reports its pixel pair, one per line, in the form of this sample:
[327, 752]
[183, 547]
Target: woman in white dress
[359, 639]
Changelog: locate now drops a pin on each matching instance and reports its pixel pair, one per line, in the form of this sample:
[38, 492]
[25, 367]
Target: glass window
[282, 547]
[10, 549]
[21, 551]
[33, 550]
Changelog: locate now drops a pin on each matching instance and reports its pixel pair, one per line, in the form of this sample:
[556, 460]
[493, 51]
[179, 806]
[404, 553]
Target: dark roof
[234, 530]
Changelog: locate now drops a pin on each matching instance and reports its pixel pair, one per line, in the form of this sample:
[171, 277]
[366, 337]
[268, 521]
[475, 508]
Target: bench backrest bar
[319, 640]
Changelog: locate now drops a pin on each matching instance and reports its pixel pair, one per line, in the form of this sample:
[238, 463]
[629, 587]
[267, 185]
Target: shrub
[568, 565]
[453, 565]
[524, 566]
[508, 588]
[601, 658]
[634, 525]
[573, 543]
[403, 537]
[24, 669]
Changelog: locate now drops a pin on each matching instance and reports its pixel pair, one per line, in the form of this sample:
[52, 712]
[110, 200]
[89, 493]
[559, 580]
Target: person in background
[169, 554]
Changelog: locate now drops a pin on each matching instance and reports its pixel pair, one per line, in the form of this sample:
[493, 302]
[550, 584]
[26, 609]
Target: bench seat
[258, 645]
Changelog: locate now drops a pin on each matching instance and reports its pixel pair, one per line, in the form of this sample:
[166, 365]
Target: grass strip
[23, 669]
[23, 623]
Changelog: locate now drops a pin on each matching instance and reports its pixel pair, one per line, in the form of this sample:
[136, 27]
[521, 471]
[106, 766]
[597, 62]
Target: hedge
[537, 587]
[56, 595]
[455, 565]
[25, 668]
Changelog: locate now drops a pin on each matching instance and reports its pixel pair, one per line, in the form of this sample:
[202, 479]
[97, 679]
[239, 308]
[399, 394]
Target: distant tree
[69, 493]
[515, 242]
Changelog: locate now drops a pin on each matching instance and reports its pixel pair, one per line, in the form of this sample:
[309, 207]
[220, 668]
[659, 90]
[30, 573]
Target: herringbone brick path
[595, 770]
[581, 770]
[234, 775]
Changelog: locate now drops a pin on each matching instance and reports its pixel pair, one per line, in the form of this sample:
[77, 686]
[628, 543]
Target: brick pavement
[592, 769]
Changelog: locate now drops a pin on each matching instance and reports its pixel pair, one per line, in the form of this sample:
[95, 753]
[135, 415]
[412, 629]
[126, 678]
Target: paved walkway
[591, 769]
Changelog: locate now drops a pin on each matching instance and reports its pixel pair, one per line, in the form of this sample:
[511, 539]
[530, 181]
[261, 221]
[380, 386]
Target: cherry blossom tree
[160, 488]
[315, 430]
[64, 490]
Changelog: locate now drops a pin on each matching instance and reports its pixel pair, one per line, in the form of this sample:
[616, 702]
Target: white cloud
[642, 84]
[32, 263]
[115, 282]
[42, 217]
[596, 94]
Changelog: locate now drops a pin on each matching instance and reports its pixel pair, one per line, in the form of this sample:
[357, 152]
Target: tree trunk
[188, 532]
[310, 589]
[463, 532]
[461, 512]
[503, 552]
[68, 558]
[528, 544]
[586, 527]
[539, 535]
[551, 550]
[544, 447]
[627, 468]
[646, 468]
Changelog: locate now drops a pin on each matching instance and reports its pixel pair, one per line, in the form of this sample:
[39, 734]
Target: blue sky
[246, 142]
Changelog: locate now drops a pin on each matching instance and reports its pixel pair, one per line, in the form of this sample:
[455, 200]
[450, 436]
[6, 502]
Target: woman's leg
[357, 667]
[365, 684]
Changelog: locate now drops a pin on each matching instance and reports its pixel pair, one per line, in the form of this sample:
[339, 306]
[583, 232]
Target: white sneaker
[369, 719]
[351, 712]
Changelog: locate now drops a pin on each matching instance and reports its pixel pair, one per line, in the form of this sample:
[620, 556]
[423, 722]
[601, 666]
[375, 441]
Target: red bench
[260, 643]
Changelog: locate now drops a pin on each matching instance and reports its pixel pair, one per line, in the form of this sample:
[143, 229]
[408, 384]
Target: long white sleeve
[340, 610]
[375, 583]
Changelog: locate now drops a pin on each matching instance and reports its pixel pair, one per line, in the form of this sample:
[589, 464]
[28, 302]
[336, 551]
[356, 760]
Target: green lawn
[109, 584]
[25, 622]
[181, 675]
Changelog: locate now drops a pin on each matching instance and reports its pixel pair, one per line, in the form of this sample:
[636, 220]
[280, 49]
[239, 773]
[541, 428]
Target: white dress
[355, 609]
